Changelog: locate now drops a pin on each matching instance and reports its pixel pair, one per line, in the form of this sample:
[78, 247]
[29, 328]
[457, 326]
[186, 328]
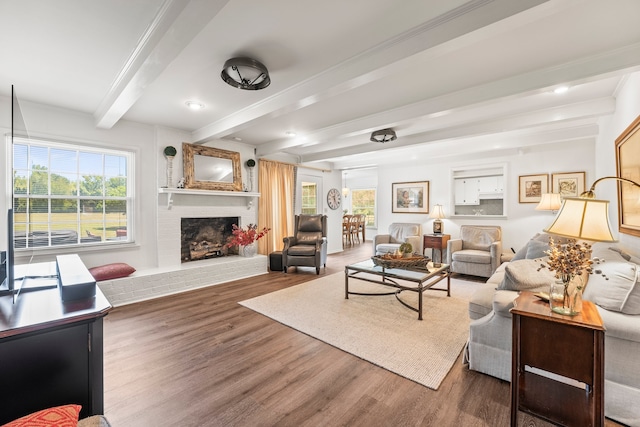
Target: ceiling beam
[493, 145]
[380, 61]
[508, 123]
[172, 29]
[616, 62]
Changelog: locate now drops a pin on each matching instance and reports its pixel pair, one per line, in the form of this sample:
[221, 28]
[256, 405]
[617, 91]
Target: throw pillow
[539, 244]
[521, 253]
[523, 274]
[615, 286]
[59, 416]
[111, 271]
[536, 249]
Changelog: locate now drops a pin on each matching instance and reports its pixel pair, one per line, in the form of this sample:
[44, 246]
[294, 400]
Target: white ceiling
[450, 76]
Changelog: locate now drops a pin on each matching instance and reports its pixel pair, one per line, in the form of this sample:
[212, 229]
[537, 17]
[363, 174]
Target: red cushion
[111, 271]
[60, 416]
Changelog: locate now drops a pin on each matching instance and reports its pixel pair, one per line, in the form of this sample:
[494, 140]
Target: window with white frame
[66, 194]
[363, 201]
[309, 198]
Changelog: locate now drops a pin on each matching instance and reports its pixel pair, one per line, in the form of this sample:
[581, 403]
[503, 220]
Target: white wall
[522, 222]
[151, 249]
[627, 109]
[64, 125]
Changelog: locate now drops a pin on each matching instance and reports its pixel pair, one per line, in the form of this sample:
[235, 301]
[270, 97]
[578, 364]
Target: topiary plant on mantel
[170, 151]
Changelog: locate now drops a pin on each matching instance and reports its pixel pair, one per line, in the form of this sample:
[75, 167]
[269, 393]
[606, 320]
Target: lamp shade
[586, 219]
[437, 212]
[549, 202]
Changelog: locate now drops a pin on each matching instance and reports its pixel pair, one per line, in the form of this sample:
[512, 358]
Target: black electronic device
[3, 267]
[18, 127]
[31, 277]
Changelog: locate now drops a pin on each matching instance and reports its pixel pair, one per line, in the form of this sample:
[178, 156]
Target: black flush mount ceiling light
[383, 135]
[245, 73]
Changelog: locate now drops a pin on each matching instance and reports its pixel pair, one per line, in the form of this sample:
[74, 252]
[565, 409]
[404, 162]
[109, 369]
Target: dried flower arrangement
[568, 260]
[246, 236]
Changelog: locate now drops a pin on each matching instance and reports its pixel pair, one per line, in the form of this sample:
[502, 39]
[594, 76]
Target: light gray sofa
[617, 297]
[399, 232]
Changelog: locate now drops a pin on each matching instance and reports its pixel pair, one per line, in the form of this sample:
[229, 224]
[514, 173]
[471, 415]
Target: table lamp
[549, 202]
[438, 214]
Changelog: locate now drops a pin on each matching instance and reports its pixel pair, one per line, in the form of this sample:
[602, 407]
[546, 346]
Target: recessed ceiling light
[560, 89]
[194, 105]
[290, 133]
[237, 138]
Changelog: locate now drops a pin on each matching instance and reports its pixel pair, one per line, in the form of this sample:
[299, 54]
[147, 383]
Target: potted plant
[169, 153]
[406, 250]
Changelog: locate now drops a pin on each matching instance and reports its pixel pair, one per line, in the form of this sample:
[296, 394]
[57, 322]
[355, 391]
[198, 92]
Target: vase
[169, 171]
[247, 250]
[576, 300]
[565, 299]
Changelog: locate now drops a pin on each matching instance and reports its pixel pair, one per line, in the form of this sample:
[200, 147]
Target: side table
[435, 241]
[557, 370]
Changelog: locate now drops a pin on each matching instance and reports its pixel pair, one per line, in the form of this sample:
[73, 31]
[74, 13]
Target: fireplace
[203, 238]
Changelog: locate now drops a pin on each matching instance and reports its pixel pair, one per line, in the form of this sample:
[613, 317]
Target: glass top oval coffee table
[425, 278]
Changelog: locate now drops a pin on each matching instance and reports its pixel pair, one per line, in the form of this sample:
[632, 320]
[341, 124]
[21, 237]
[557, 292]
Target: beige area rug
[378, 329]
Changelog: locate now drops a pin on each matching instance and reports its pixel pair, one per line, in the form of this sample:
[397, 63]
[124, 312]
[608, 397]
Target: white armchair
[477, 252]
[399, 233]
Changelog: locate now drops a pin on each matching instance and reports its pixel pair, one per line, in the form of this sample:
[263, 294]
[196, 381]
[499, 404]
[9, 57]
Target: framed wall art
[628, 166]
[568, 184]
[410, 197]
[531, 187]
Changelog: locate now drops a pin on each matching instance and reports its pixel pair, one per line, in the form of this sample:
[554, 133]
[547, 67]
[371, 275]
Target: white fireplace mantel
[171, 191]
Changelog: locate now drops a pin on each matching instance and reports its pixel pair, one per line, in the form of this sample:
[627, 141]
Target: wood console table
[51, 353]
[557, 363]
[435, 241]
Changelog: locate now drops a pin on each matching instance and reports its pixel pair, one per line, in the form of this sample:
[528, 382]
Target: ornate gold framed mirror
[208, 168]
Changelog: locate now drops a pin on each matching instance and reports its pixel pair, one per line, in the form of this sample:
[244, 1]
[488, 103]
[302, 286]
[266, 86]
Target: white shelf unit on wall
[170, 192]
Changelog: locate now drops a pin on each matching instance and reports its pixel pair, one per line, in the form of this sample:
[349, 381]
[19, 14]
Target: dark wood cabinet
[51, 353]
[435, 241]
[557, 363]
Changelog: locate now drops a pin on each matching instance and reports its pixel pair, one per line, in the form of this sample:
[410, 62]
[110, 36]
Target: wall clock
[333, 198]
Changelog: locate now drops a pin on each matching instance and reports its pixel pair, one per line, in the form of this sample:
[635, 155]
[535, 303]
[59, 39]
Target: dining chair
[361, 225]
[346, 230]
[353, 229]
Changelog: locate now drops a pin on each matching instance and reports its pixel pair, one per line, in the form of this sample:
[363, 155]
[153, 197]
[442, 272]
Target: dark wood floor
[201, 359]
